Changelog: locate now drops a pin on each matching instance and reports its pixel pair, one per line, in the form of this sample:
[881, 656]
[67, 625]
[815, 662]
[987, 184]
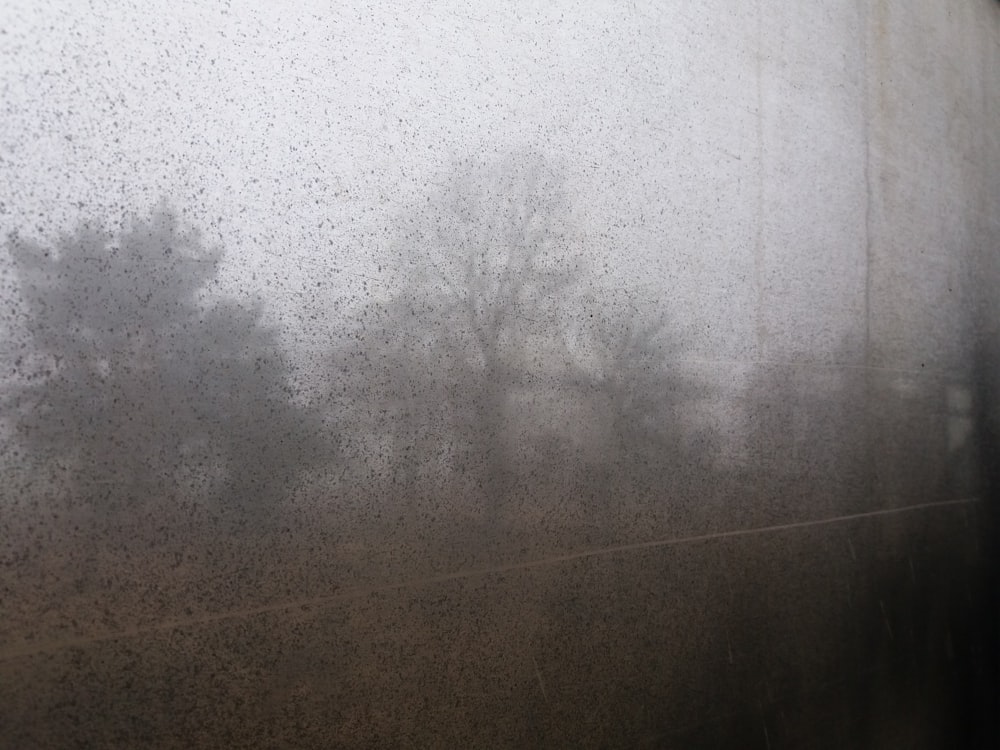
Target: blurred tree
[479, 363]
[625, 348]
[488, 262]
[139, 375]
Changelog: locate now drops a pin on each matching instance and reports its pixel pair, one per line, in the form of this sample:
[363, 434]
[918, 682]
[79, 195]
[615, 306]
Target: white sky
[294, 133]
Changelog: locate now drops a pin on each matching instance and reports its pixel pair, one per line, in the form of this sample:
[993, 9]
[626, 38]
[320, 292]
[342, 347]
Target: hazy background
[437, 360]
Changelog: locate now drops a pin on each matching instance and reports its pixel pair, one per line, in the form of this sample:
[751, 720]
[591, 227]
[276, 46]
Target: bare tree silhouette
[624, 345]
[487, 260]
[498, 363]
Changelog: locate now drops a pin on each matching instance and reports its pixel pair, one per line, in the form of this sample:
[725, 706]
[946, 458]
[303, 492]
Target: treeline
[503, 365]
[509, 369]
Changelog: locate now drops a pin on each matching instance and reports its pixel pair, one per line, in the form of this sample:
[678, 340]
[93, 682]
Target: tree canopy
[140, 372]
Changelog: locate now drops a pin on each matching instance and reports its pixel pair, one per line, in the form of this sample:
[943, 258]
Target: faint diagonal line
[309, 603]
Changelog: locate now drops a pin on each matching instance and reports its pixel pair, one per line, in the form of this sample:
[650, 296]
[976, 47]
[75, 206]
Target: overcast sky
[295, 133]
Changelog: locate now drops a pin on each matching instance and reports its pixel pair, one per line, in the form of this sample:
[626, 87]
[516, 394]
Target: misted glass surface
[452, 376]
